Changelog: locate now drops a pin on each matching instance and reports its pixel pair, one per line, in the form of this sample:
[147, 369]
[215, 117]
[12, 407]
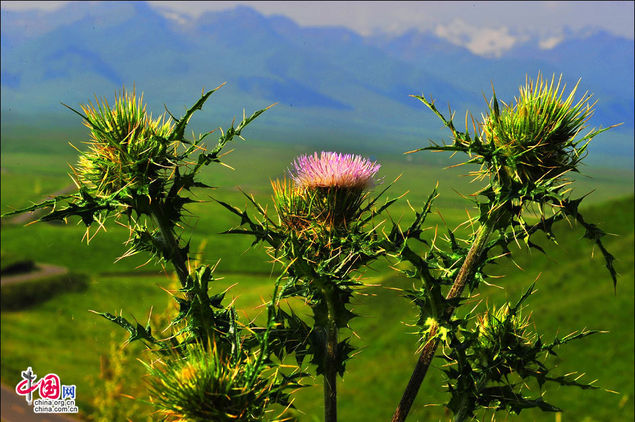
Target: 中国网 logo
[54, 397]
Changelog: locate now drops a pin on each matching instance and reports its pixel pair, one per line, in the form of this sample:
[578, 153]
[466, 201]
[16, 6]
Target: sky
[485, 27]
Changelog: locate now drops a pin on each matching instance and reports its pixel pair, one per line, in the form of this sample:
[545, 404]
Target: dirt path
[41, 270]
[16, 409]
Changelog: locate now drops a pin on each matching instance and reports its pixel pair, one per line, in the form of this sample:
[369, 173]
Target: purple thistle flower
[328, 188]
[332, 169]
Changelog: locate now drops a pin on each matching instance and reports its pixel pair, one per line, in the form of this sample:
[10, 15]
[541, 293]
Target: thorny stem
[430, 347]
[330, 362]
[463, 412]
[167, 232]
[201, 314]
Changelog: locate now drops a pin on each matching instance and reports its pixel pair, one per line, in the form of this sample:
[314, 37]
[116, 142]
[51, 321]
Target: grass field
[574, 287]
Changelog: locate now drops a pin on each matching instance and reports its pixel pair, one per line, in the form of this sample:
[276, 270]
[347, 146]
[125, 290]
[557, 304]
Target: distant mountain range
[332, 85]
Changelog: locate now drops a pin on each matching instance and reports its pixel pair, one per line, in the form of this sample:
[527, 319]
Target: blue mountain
[330, 82]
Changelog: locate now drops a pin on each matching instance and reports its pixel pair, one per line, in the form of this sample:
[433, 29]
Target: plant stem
[330, 361]
[178, 259]
[472, 259]
[201, 315]
[461, 415]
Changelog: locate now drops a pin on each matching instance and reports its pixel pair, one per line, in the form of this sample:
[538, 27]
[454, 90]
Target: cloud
[484, 41]
[551, 42]
[174, 16]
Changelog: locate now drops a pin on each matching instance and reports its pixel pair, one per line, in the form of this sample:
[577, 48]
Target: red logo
[49, 387]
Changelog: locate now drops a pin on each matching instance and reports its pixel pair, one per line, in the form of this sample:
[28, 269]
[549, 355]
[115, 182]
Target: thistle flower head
[206, 386]
[127, 147]
[333, 170]
[327, 189]
[537, 132]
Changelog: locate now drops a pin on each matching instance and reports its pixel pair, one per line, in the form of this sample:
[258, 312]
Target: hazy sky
[480, 26]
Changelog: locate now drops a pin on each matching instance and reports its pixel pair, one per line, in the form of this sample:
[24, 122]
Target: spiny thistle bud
[493, 365]
[500, 330]
[537, 133]
[327, 189]
[207, 386]
[127, 147]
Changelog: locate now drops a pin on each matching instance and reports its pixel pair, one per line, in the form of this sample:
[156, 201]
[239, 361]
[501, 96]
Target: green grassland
[574, 288]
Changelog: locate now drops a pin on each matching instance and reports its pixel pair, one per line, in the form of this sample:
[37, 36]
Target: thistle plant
[140, 171]
[325, 234]
[525, 151]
